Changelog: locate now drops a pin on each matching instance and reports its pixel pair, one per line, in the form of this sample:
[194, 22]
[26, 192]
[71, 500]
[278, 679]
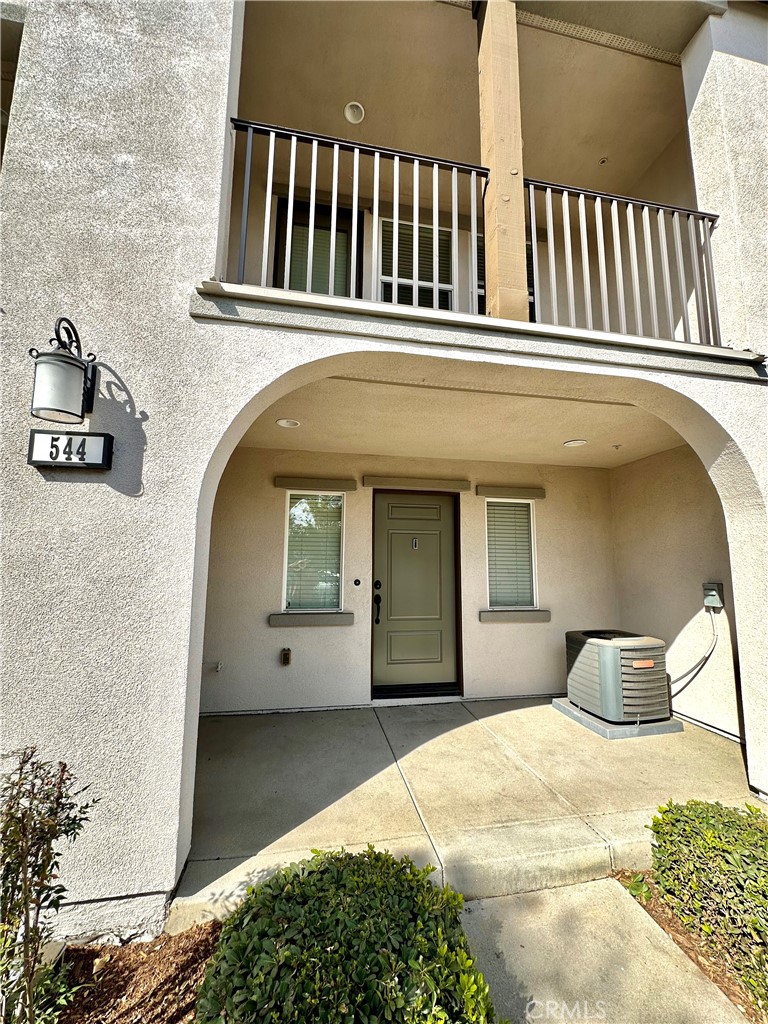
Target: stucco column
[501, 147]
[725, 74]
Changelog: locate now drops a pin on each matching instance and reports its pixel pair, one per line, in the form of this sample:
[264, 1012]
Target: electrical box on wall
[713, 595]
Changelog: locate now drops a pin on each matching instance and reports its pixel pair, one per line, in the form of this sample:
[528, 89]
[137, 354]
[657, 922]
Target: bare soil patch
[157, 982]
[141, 983]
[706, 958]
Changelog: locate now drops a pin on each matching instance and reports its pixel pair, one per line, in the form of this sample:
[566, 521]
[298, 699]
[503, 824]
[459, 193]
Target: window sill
[312, 619]
[515, 615]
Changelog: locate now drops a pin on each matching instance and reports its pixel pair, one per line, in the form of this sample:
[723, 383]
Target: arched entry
[490, 376]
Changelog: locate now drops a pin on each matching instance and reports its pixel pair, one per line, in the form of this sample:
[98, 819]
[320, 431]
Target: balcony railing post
[355, 201]
[602, 266]
[246, 197]
[649, 269]
[568, 258]
[474, 305]
[618, 266]
[701, 309]
[585, 260]
[395, 227]
[435, 238]
[334, 215]
[665, 275]
[312, 198]
[714, 315]
[683, 291]
[455, 236]
[552, 255]
[416, 232]
[289, 225]
[375, 231]
[267, 210]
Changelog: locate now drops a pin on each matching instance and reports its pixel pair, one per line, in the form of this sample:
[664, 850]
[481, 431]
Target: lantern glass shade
[58, 392]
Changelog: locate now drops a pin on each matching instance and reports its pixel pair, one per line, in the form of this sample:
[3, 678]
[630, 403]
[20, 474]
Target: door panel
[414, 639]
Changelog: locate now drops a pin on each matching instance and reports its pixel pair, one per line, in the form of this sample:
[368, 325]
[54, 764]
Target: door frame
[417, 690]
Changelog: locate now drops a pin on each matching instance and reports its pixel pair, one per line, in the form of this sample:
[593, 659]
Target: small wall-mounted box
[713, 595]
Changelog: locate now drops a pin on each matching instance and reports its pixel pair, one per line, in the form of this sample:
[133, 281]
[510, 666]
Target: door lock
[377, 584]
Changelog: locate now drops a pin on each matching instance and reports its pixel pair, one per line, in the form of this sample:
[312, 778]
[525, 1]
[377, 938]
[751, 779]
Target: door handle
[377, 603]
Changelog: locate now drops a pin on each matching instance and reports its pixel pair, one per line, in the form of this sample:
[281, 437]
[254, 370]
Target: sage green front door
[414, 595]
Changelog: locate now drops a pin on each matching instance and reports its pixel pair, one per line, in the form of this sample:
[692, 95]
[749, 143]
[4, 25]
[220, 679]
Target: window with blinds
[321, 260]
[313, 567]
[405, 266]
[510, 554]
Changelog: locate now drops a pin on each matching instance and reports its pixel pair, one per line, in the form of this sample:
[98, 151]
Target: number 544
[57, 451]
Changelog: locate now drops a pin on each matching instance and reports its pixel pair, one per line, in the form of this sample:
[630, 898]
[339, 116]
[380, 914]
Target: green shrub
[711, 864]
[39, 809]
[345, 938]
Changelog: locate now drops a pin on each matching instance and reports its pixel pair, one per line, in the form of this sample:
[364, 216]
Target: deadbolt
[377, 584]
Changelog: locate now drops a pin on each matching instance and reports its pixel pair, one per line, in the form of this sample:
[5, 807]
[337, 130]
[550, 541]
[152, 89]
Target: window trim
[286, 530]
[531, 503]
[383, 278]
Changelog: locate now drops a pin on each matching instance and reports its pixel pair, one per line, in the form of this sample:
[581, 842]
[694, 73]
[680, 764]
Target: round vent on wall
[354, 112]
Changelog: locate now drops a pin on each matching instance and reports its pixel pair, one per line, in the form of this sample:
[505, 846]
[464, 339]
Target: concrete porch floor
[502, 796]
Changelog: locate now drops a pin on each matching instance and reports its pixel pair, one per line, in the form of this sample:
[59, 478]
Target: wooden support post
[501, 143]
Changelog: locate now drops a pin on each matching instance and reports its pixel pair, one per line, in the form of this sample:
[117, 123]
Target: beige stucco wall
[332, 665]
[112, 196]
[627, 548]
[725, 71]
[669, 536]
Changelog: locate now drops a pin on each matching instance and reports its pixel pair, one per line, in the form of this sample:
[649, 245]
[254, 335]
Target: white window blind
[405, 265]
[313, 575]
[510, 554]
[321, 260]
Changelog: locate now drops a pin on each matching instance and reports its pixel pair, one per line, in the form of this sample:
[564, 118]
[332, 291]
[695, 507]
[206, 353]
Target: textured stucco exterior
[111, 190]
[627, 548]
[670, 539]
[725, 72]
[333, 666]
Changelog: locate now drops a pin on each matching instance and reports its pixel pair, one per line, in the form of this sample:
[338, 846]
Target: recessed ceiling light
[574, 443]
[354, 112]
[287, 423]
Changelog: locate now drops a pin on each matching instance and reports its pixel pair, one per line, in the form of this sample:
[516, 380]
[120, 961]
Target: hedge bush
[345, 939]
[711, 864]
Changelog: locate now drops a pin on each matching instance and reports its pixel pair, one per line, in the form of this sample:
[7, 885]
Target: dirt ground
[141, 983]
[156, 982]
[705, 958]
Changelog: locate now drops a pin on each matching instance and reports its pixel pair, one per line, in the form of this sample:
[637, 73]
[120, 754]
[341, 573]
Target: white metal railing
[327, 215]
[612, 263]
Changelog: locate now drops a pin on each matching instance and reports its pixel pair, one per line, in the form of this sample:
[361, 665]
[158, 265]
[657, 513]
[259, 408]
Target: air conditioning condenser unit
[620, 677]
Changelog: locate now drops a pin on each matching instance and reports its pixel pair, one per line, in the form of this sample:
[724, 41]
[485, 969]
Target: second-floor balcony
[323, 215]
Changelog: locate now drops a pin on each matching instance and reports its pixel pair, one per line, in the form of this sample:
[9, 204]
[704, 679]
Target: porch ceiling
[415, 72]
[385, 418]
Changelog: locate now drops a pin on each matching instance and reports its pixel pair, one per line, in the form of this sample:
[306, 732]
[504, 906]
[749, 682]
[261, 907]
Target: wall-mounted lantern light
[65, 382]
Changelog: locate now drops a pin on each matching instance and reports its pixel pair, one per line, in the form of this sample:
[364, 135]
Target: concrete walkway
[587, 952]
[502, 797]
[519, 808]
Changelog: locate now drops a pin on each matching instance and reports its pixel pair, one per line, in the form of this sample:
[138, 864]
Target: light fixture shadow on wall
[65, 381]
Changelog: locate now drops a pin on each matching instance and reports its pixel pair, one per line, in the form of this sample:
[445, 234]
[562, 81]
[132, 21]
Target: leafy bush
[38, 807]
[345, 938]
[711, 865]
